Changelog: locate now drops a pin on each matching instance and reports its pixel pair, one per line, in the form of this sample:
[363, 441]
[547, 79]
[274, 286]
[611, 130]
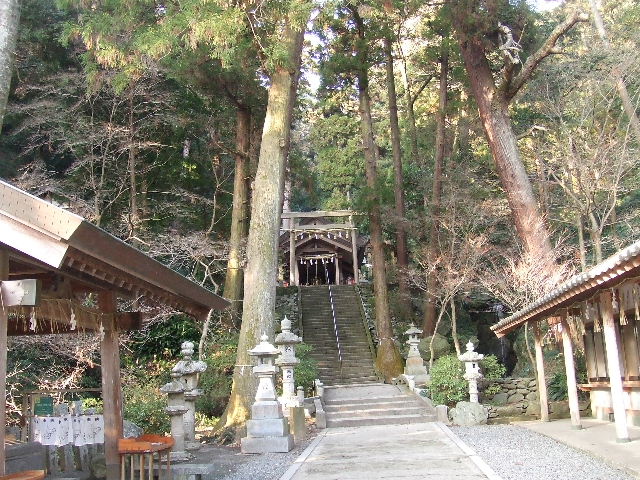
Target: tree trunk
[494, 114]
[581, 248]
[234, 276]
[454, 326]
[627, 103]
[401, 232]
[411, 116]
[9, 21]
[388, 360]
[596, 237]
[429, 319]
[134, 220]
[262, 247]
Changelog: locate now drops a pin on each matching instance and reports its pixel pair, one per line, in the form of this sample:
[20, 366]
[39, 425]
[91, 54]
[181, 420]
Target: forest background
[498, 155]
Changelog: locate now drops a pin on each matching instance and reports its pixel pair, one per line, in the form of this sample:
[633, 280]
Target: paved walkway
[424, 450]
[597, 438]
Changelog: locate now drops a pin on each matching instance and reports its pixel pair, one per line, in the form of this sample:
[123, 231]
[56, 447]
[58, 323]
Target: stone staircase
[318, 331]
[373, 404]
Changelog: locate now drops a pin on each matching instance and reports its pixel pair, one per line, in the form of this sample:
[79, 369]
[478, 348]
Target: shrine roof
[613, 271]
[43, 239]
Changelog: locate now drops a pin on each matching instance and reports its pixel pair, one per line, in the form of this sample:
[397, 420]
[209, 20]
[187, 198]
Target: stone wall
[518, 397]
[287, 304]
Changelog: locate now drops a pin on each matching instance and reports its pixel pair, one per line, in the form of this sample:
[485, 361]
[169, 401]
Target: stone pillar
[268, 430]
[542, 382]
[286, 343]
[472, 370]
[613, 366]
[414, 366]
[176, 409]
[572, 388]
[337, 269]
[189, 370]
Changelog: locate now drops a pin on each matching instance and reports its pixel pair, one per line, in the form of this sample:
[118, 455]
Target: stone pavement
[597, 438]
[426, 450]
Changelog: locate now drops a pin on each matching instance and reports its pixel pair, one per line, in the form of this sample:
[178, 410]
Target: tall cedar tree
[262, 248]
[9, 21]
[388, 358]
[475, 22]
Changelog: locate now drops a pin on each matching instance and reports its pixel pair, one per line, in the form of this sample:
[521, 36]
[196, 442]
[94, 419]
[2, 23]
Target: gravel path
[516, 453]
[267, 466]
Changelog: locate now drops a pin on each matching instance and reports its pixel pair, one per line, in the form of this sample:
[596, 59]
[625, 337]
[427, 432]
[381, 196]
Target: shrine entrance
[320, 248]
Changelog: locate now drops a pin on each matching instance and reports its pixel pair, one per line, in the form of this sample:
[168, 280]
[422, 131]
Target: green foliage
[163, 339]
[144, 405]
[492, 370]
[447, 385]
[307, 370]
[215, 382]
[557, 387]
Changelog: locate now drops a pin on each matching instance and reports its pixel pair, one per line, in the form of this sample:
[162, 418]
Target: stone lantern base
[267, 431]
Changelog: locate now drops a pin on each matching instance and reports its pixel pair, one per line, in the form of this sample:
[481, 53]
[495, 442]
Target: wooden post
[4, 319]
[292, 257]
[613, 366]
[572, 387]
[354, 247]
[111, 387]
[542, 383]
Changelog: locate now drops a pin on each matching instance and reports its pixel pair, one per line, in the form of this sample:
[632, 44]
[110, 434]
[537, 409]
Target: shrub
[492, 370]
[144, 405]
[447, 384]
[307, 370]
[215, 382]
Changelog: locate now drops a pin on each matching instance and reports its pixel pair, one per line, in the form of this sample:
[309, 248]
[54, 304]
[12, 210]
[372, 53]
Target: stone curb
[293, 469]
[473, 456]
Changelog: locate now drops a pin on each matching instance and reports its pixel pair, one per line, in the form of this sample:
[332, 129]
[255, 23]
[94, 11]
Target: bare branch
[510, 88]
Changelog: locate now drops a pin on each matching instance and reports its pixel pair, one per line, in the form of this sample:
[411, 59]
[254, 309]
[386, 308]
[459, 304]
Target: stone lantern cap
[286, 337]
[264, 349]
[174, 386]
[470, 355]
[413, 330]
[187, 366]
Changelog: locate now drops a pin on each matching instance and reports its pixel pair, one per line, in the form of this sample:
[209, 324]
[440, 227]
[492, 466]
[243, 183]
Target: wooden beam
[125, 321]
[323, 227]
[354, 252]
[572, 387]
[613, 366]
[111, 387]
[292, 254]
[4, 320]
[542, 383]
[319, 214]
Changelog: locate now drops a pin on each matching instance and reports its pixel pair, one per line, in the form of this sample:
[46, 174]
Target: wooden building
[80, 272]
[321, 247]
[602, 308]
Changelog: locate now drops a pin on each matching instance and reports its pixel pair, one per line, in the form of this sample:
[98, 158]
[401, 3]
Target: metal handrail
[335, 326]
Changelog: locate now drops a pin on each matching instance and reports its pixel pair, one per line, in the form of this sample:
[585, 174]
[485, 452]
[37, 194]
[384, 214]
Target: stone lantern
[286, 342]
[472, 372]
[268, 430]
[414, 366]
[189, 370]
[176, 409]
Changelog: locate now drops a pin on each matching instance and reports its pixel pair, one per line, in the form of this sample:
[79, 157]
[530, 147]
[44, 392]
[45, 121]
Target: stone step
[338, 381]
[375, 412]
[366, 400]
[366, 404]
[390, 420]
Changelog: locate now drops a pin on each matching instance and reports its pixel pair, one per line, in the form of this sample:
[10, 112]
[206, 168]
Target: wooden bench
[26, 475]
[139, 449]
